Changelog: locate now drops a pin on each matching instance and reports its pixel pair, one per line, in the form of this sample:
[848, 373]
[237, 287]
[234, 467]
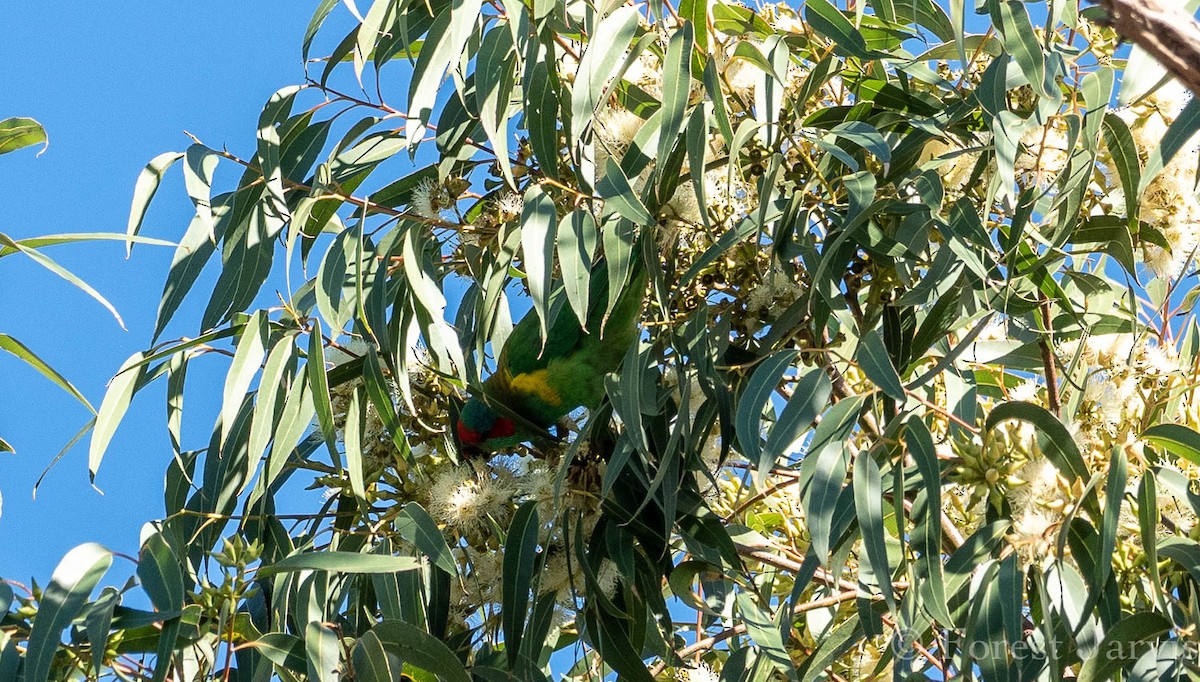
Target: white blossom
[701, 673]
[1027, 391]
[425, 200]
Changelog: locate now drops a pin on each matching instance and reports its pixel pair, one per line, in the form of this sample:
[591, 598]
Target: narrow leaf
[63, 601]
[144, 190]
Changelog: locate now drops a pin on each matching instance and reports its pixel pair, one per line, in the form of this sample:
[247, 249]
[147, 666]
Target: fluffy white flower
[1109, 396]
[1170, 205]
[466, 496]
[615, 128]
[1033, 525]
[1027, 391]
[701, 673]
[1160, 360]
[1149, 117]
[743, 76]
[607, 577]
[954, 164]
[510, 205]
[777, 291]
[537, 483]
[426, 199]
[1037, 487]
[1044, 152]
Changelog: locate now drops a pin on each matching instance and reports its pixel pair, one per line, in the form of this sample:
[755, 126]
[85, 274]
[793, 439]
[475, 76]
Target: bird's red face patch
[466, 435]
[502, 428]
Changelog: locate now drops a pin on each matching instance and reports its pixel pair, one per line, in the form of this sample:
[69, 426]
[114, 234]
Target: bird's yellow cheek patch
[534, 383]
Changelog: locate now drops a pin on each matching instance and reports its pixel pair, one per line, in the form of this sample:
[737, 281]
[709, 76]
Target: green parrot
[544, 385]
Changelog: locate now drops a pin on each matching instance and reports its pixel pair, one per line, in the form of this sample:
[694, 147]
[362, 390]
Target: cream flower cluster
[1169, 204]
[470, 500]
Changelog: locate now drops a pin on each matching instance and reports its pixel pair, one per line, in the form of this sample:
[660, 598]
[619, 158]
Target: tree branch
[1169, 34]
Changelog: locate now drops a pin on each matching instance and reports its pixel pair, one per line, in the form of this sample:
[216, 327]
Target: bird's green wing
[524, 352]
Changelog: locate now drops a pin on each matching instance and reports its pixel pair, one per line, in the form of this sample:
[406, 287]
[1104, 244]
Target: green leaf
[318, 380]
[418, 527]
[542, 118]
[762, 384]
[18, 133]
[162, 577]
[112, 410]
[576, 244]
[598, 64]
[421, 650]
[372, 662]
[864, 135]
[98, 623]
[809, 397]
[616, 191]
[1148, 519]
[538, 222]
[873, 357]
[520, 556]
[1114, 493]
[143, 192]
[1176, 439]
[831, 23]
[63, 601]
[48, 263]
[78, 237]
[18, 349]
[160, 573]
[341, 562]
[371, 32]
[314, 24]
[712, 85]
[868, 504]
[191, 255]
[765, 633]
[1121, 645]
[294, 420]
[276, 377]
[443, 46]
[697, 149]
[927, 535]
[381, 397]
[323, 648]
[1124, 153]
[677, 82]
[247, 358]
[824, 489]
[495, 76]
[285, 651]
[197, 178]
[331, 279]
[1017, 34]
[696, 11]
[356, 417]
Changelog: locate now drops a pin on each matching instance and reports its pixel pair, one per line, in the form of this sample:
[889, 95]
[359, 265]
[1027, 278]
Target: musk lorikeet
[542, 385]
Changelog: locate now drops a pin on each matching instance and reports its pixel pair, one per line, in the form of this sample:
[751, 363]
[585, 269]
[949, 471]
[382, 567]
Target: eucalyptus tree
[915, 393]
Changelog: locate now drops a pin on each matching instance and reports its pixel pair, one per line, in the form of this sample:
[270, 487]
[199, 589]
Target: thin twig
[1045, 342]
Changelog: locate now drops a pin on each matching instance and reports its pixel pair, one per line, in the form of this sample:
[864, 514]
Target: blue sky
[114, 84]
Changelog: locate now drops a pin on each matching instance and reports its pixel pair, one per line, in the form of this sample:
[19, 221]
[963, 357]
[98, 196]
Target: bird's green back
[545, 383]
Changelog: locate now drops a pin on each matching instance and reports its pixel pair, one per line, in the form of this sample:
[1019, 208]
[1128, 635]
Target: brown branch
[1044, 342]
[1169, 34]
